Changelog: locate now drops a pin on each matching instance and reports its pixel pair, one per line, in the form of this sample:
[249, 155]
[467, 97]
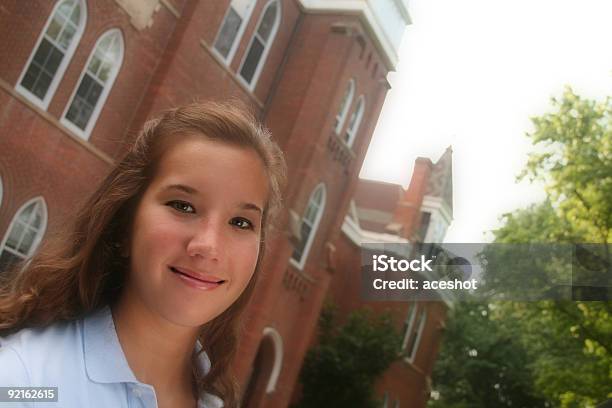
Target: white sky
[471, 74]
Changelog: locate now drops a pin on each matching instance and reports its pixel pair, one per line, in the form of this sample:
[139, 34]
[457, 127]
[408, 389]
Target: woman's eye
[242, 223]
[181, 206]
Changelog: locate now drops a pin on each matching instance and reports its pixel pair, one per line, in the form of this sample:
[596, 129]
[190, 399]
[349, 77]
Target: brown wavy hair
[81, 269]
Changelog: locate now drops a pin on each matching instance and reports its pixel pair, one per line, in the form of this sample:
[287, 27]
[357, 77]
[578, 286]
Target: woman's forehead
[202, 164]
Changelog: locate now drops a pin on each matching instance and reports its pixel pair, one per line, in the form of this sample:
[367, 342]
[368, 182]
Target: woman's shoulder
[32, 352]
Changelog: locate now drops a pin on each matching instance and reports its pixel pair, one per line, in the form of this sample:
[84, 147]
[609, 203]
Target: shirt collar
[105, 361]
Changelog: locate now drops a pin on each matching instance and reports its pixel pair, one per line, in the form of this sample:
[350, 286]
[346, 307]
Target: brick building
[78, 78]
[385, 213]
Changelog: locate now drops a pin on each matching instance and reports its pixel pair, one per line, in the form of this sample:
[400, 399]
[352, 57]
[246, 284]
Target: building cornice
[372, 17]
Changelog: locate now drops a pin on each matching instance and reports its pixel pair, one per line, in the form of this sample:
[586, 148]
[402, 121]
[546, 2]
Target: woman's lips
[194, 280]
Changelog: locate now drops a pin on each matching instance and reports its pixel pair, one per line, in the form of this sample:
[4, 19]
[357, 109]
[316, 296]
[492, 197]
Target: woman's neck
[158, 351]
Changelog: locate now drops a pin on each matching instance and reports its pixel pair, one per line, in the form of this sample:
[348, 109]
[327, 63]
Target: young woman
[139, 305]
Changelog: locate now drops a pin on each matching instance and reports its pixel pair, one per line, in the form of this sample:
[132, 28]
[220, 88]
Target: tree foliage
[557, 351]
[341, 370]
[482, 363]
[568, 343]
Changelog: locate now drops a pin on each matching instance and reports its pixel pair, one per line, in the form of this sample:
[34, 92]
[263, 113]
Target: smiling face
[196, 230]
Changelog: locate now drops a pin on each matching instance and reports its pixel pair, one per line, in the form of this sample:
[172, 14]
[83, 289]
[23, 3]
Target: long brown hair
[82, 268]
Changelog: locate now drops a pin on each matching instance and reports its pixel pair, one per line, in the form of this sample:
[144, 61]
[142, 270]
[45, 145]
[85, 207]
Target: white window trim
[107, 87]
[239, 34]
[419, 334]
[38, 238]
[44, 104]
[267, 46]
[277, 341]
[315, 226]
[410, 319]
[352, 132]
[341, 116]
[385, 403]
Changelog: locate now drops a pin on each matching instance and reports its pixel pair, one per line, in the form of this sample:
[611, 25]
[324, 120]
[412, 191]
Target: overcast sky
[471, 74]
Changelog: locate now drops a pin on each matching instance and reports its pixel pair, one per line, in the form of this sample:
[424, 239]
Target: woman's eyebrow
[250, 206]
[191, 190]
[181, 187]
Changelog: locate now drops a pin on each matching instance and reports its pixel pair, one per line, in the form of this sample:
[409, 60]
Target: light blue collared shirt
[84, 359]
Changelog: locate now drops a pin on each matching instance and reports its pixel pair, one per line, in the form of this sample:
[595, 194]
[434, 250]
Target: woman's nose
[206, 240]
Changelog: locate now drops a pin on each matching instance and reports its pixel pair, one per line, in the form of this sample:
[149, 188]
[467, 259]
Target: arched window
[345, 105]
[24, 233]
[53, 52]
[355, 121]
[309, 225]
[277, 341]
[95, 83]
[233, 26]
[261, 41]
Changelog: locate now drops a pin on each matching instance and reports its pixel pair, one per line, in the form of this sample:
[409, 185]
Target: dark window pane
[79, 112]
[252, 60]
[42, 69]
[94, 94]
[30, 77]
[55, 58]
[80, 109]
[299, 249]
[7, 260]
[228, 33]
[42, 53]
[42, 85]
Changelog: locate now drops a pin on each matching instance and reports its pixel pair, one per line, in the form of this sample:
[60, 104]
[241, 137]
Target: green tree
[551, 352]
[568, 343]
[342, 369]
[482, 363]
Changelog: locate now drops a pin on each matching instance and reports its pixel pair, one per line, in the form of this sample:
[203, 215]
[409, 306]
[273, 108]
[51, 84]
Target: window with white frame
[233, 26]
[261, 42]
[412, 345]
[408, 324]
[355, 121]
[24, 233]
[345, 105]
[385, 403]
[96, 82]
[53, 51]
[309, 225]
